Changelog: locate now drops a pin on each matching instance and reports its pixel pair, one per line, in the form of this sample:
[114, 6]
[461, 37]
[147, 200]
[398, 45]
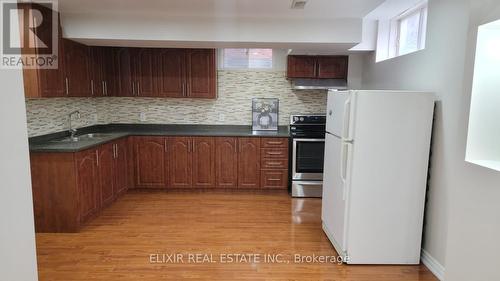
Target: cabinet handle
[274, 179]
[115, 150]
[104, 88]
[92, 87]
[274, 142]
[165, 146]
[97, 156]
[274, 153]
[67, 85]
[133, 88]
[138, 88]
[273, 163]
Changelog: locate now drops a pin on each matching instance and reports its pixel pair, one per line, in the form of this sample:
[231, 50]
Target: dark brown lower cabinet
[87, 184]
[71, 188]
[121, 167]
[248, 163]
[181, 162]
[107, 177]
[226, 162]
[150, 162]
[203, 162]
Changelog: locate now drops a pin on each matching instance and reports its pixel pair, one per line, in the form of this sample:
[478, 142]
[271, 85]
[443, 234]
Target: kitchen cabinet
[226, 162]
[171, 78]
[124, 73]
[102, 71]
[78, 80]
[71, 188]
[248, 163]
[274, 163]
[151, 165]
[87, 183]
[144, 72]
[333, 67]
[45, 83]
[203, 162]
[301, 67]
[181, 161]
[317, 67]
[200, 73]
[121, 167]
[107, 173]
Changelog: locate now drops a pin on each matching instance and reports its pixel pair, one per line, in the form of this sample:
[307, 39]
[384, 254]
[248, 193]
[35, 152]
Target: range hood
[319, 84]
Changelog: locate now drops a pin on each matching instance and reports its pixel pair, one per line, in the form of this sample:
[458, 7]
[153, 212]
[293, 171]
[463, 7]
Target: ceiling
[315, 9]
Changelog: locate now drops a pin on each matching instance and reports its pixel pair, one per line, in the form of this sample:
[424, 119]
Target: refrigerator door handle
[344, 152]
[345, 120]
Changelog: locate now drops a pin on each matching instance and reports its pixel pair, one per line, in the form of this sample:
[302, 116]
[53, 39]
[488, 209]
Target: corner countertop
[49, 143]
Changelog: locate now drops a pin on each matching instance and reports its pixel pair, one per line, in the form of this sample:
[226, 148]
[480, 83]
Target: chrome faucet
[72, 130]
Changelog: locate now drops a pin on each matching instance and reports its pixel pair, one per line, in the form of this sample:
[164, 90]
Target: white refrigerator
[375, 174]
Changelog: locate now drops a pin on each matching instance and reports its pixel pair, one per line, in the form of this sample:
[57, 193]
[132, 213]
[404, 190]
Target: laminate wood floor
[118, 244]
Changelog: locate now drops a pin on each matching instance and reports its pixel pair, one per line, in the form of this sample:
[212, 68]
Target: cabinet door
[126, 86]
[248, 162]
[106, 167]
[333, 67]
[200, 73]
[150, 162]
[121, 166]
[203, 162]
[88, 183]
[45, 82]
[171, 77]
[144, 72]
[110, 78]
[97, 70]
[226, 162]
[301, 67]
[77, 69]
[180, 155]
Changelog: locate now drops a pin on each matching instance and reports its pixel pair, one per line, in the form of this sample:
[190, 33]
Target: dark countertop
[48, 143]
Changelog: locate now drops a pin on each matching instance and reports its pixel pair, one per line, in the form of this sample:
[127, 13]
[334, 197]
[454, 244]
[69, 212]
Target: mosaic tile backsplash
[232, 107]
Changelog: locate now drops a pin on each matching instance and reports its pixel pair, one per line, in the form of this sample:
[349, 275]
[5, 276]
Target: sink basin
[79, 138]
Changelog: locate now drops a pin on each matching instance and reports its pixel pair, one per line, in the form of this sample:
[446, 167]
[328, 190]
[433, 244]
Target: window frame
[421, 9]
[221, 65]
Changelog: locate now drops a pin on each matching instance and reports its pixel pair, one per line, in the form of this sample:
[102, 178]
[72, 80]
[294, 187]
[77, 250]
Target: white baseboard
[432, 264]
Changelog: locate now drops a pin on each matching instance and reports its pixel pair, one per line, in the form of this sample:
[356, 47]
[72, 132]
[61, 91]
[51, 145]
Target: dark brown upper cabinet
[143, 72]
[78, 80]
[171, 69]
[124, 73]
[200, 73]
[317, 67]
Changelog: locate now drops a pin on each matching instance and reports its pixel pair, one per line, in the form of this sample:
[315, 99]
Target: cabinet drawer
[274, 163]
[274, 142]
[271, 179]
[281, 153]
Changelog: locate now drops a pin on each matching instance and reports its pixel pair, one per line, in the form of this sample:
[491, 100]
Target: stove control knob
[295, 118]
[301, 118]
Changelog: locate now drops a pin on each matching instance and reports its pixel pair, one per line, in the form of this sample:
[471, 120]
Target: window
[483, 135]
[247, 58]
[410, 31]
[401, 33]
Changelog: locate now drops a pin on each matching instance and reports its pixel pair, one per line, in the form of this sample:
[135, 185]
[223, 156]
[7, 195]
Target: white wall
[128, 30]
[17, 234]
[462, 225]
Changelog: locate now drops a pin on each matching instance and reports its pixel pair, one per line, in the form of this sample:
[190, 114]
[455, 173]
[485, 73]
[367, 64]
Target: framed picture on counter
[265, 114]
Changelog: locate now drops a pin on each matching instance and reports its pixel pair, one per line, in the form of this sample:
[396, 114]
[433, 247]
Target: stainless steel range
[307, 154]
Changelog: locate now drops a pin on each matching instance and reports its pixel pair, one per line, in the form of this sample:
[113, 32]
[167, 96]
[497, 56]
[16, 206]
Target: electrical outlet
[222, 117]
[142, 116]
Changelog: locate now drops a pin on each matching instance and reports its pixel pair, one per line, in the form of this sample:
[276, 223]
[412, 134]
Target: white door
[333, 204]
[337, 117]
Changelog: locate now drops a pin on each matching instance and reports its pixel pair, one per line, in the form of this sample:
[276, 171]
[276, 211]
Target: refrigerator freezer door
[333, 204]
[338, 113]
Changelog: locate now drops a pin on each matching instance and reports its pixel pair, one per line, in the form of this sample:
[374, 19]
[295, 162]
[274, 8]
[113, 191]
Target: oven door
[308, 159]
